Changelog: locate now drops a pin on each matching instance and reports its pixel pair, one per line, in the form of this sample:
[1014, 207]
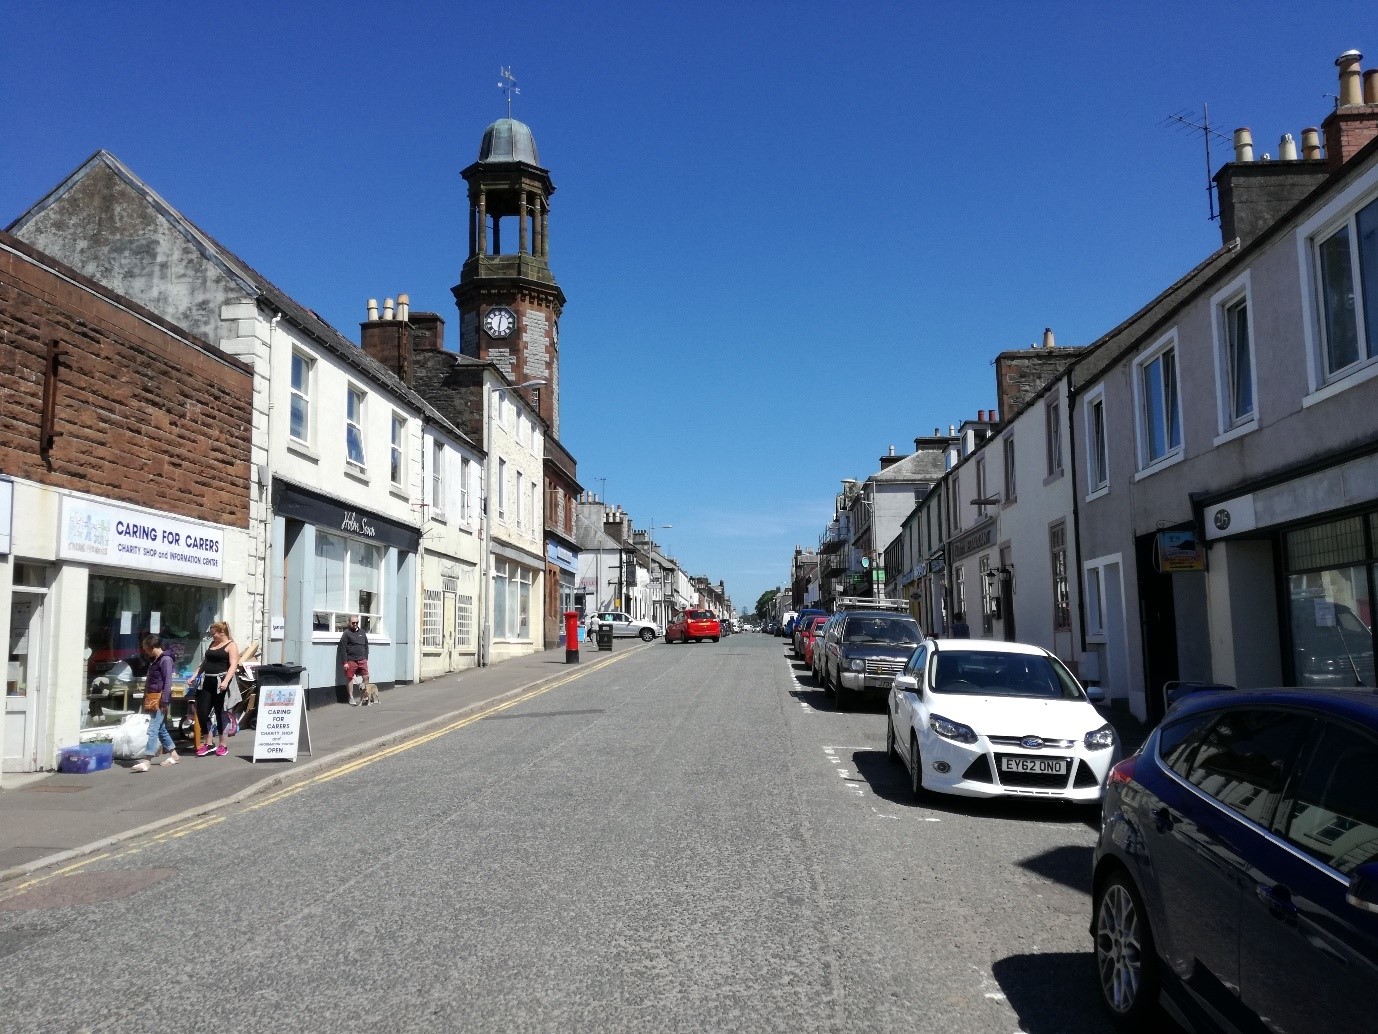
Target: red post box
[571, 637]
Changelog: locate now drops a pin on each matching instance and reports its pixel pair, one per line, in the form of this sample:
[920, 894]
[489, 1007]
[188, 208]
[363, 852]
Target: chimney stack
[1354, 122]
[1048, 337]
[1255, 194]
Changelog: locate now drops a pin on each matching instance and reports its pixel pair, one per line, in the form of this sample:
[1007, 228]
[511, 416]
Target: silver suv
[624, 626]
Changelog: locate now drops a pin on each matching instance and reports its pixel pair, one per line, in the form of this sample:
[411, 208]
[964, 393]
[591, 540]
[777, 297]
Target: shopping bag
[130, 738]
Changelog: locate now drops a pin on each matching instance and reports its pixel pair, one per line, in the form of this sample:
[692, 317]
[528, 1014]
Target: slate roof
[253, 283]
[924, 465]
[590, 534]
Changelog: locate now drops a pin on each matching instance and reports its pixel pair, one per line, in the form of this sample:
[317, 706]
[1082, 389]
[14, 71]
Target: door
[447, 629]
[25, 691]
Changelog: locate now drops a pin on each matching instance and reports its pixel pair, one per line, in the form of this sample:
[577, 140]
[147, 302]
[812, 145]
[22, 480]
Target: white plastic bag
[130, 739]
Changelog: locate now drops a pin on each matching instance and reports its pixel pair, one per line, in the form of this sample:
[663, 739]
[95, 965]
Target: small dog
[370, 693]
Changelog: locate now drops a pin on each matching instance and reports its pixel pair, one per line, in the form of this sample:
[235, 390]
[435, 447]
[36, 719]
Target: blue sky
[790, 234]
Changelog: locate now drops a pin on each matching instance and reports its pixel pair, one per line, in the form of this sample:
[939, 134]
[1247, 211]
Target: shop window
[431, 623]
[511, 601]
[349, 576]
[119, 613]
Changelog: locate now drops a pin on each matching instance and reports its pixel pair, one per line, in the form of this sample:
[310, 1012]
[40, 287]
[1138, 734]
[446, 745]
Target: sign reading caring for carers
[161, 543]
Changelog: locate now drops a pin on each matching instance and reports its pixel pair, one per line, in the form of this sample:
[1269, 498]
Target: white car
[983, 718]
[624, 625]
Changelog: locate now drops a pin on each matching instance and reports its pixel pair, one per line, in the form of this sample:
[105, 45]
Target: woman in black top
[212, 680]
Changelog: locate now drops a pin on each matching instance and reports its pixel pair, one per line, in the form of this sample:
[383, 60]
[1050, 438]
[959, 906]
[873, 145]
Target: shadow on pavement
[1069, 865]
[1053, 993]
[815, 698]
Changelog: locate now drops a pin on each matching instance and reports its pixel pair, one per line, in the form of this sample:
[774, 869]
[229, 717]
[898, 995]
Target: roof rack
[869, 603]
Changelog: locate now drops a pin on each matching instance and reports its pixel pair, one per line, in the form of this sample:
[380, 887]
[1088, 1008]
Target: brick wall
[145, 414]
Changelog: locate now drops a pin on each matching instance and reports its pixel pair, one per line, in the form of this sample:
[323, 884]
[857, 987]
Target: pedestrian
[157, 700]
[960, 628]
[213, 680]
[354, 643]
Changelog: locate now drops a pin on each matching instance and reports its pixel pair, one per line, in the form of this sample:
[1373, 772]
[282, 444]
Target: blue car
[1236, 874]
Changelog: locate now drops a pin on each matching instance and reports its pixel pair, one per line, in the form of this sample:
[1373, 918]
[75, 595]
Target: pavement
[48, 818]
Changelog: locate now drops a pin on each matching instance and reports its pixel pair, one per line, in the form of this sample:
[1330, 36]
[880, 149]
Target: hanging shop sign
[291, 501]
[1179, 551]
[107, 535]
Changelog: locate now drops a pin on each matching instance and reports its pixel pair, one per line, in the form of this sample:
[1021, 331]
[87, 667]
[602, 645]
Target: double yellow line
[206, 821]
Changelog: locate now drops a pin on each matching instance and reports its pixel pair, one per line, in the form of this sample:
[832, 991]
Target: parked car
[726, 626]
[820, 637]
[695, 625]
[808, 635]
[1236, 874]
[986, 718]
[802, 620]
[624, 625]
[786, 624]
[864, 650]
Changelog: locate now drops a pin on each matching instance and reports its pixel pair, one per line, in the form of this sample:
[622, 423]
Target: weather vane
[508, 85]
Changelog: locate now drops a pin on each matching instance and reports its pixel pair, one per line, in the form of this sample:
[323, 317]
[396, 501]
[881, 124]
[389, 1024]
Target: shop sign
[561, 557]
[6, 514]
[115, 536]
[1179, 551]
[980, 538]
[277, 736]
[291, 501]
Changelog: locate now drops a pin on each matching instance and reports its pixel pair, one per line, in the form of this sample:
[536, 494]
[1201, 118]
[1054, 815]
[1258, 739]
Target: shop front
[333, 561]
[562, 577]
[81, 602]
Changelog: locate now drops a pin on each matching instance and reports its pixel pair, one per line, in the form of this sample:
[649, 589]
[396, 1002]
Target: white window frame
[1011, 472]
[465, 474]
[502, 490]
[1052, 437]
[1340, 212]
[980, 485]
[1171, 453]
[536, 515]
[1095, 602]
[437, 479]
[433, 620]
[308, 362]
[1224, 300]
[1097, 487]
[521, 502]
[374, 622]
[397, 457]
[351, 391]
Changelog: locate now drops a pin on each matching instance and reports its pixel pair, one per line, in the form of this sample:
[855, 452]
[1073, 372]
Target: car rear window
[701, 615]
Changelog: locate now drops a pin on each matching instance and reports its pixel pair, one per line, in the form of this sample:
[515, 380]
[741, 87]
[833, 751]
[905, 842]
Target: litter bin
[279, 674]
[605, 636]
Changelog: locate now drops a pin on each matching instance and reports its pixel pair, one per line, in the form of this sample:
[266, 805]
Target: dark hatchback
[1236, 872]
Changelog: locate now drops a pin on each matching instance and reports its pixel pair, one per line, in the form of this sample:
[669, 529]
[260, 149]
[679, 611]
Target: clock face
[499, 322]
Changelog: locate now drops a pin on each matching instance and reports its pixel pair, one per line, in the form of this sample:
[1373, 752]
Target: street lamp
[487, 640]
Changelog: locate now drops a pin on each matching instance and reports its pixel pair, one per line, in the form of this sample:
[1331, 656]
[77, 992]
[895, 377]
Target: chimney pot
[951, 430]
[1310, 143]
[1243, 145]
[403, 307]
[1350, 91]
[1287, 149]
[1371, 86]
[373, 310]
[1047, 337]
[387, 308]
[892, 450]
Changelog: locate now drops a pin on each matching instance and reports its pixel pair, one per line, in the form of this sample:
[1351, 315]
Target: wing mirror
[906, 684]
[1363, 888]
[1095, 694]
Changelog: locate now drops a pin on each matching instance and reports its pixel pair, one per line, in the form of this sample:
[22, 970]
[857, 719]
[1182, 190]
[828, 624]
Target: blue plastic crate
[85, 758]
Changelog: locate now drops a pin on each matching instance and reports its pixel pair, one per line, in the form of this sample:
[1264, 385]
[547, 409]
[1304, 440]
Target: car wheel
[647, 634]
[715, 639]
[1125, 956]
[891, 751]
[916, 789]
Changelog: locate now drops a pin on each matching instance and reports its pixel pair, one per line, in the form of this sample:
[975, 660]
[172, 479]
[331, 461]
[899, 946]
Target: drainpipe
[266, 488]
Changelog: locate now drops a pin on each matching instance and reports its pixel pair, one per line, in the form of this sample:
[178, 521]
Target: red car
[693, 624]
[807, 635]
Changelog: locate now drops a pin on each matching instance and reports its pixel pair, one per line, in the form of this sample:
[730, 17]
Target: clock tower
[509, 303]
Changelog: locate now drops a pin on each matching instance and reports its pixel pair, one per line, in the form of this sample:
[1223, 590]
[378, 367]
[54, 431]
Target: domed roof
[508, 140]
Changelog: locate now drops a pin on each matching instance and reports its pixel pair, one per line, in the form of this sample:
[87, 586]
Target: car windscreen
[992, 673]
[882, 631]
[700, 615]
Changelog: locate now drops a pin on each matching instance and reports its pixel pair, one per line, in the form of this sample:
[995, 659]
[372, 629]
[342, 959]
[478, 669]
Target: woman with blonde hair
[213, 680]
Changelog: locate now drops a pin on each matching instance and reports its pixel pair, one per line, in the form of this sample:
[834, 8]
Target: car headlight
[1100, 739]
[950, 730]
[856, 665]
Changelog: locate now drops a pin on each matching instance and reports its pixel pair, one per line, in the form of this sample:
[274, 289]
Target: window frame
[308, 362]
[1097, 446]
[397, 454]
[1061, 580]
[1339, 214]
[466, 473]
[1011, 471]
[353, 391]
[1237, 292]
[374, 622]
[1052, 431]
[502, 490]
[521, 501]
[1170, 396]
[437, 479]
